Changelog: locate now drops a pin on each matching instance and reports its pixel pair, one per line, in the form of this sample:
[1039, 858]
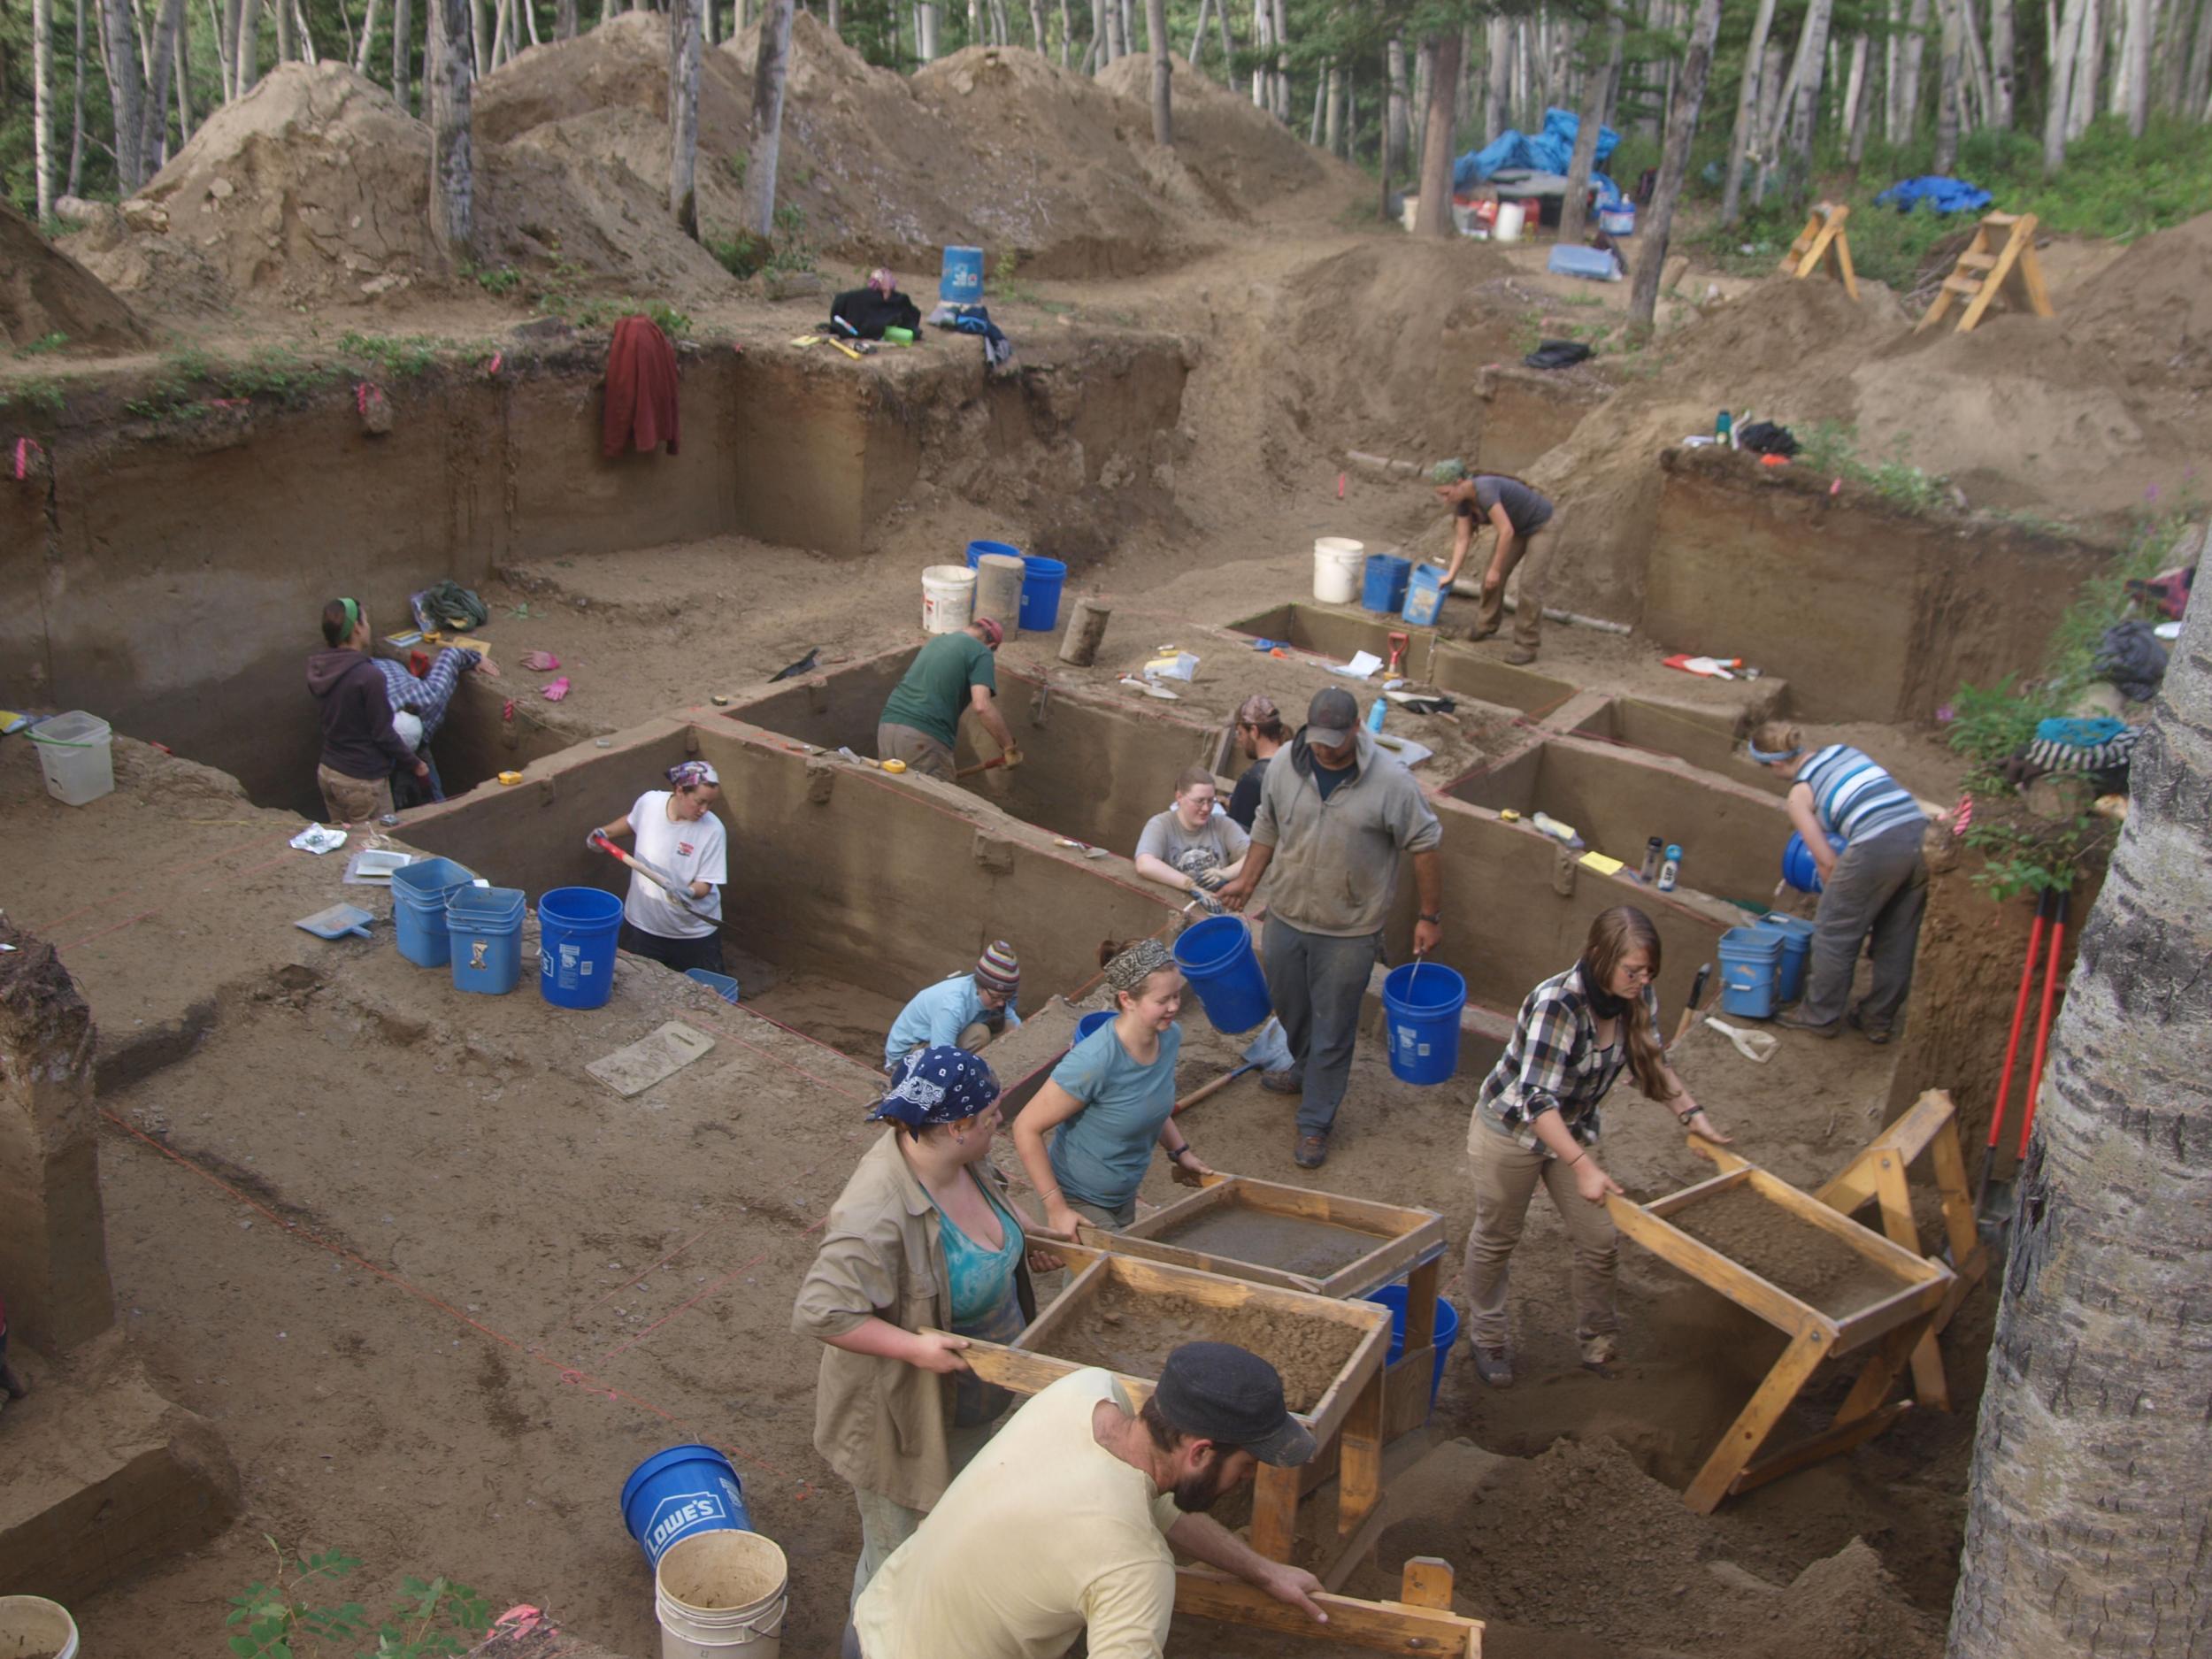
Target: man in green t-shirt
[954, 672]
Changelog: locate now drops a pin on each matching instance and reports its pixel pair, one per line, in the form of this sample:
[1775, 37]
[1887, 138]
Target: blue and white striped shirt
[1855, 798]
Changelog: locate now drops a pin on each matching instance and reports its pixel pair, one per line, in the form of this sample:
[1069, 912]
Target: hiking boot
[1476, 635]
[1600, 1354]
[1877, 1035]
[1794, 1020]
[1290, 1082]
[1311, 1152]
[1519, 657]
[1494, 1365]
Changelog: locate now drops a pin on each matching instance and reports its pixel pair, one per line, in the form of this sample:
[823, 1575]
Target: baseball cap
[1257, 709]
[992, 633]
[1220, 1392]
[1332, 717]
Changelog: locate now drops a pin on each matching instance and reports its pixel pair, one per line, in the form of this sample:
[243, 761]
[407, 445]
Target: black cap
[1220, 1392]
[1331, 718]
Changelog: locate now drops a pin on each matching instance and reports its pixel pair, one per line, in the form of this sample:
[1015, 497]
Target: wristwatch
[1435, 917]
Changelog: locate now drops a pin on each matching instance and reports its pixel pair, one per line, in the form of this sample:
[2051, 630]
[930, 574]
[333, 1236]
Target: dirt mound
[1223, 138]
[2151, 309]
[43, 292]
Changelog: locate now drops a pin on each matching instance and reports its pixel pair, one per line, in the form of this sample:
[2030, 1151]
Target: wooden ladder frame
[1892, 1326]
[1877, 1174]
[1983, 271]
[1823, 236]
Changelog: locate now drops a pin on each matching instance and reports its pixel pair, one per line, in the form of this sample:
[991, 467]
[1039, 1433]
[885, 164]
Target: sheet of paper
[1361, 667]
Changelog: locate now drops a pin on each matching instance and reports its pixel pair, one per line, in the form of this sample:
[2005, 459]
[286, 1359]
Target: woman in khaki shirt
[923, 1238]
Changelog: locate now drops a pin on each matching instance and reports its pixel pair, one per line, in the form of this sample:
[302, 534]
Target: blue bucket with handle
[1421, 1007]
[577, 930]
[1393, 1297]
[1425, 596]
[683, 1491]
[420, 891]
[484, 933]
[1797, 950]
[1091, 1022]
[1798, 868]
[1217, 957]
[1383, 586]
[961, 280]
[1750, 970]
[1041, 581]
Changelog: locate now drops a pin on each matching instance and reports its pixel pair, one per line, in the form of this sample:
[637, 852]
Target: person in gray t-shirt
[1190, 847]
[1520, 515]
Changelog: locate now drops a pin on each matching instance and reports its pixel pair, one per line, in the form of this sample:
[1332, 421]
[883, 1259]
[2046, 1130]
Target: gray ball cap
[1220, 1392]
[1331, 718]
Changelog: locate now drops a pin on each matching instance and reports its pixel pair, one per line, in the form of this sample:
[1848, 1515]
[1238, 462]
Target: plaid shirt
[1553, 1063]
[426, 698]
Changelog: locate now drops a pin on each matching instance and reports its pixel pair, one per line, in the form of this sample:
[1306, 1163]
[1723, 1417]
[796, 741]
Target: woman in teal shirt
[1111, 1100]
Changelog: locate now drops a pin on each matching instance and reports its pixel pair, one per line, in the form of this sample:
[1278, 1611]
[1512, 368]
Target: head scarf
[943, 1085]
[881, 280]
[1128, 971]
[353, 615]
[1767, 758]
[685, 773]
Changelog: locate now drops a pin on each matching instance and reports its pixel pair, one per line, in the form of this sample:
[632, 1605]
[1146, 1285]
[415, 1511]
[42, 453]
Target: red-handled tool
[2043, 1022]
[2045, 909]
[652, 873]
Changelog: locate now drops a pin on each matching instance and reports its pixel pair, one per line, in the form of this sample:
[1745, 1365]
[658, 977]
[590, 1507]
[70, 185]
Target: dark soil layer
[1133, 1333]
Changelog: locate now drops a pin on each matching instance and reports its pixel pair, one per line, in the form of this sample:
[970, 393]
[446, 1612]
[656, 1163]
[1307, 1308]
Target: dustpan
[337, 922]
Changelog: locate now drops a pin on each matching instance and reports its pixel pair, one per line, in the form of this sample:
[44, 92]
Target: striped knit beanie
[998, 968]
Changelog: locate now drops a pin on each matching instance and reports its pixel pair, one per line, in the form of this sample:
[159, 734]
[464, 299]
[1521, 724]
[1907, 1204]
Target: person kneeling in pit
[964, 1011]
[1068, 1523]
[1191, 847]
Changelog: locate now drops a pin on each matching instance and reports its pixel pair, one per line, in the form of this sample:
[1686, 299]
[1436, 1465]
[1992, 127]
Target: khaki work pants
[354, 799]
[1506, 1174]
[918, 749]
[1531, 556]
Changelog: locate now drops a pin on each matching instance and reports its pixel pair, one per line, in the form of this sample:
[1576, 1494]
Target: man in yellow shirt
[1063, 1525]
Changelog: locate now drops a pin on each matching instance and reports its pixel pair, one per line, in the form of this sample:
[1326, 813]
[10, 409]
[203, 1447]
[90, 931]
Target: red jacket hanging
[641, 389]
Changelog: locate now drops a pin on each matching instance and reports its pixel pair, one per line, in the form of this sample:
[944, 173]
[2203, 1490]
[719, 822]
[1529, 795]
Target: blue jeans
[1315, 982]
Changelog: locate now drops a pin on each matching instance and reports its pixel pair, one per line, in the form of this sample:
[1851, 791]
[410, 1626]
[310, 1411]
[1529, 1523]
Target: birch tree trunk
[368, 34]
[119, 52]
[1766, 128]
[1261, 26]
[1746, 113]
[42, 105]
[1674, 166]
[1498, 39]
[2137, 52]
[2088, 71]
[1854, 87]
[2002, 69]
[1163, 74]
[446, 77]
[1977, 69]
[1812, 60]
[1597, 82]
[1282, 63]
[1909, 92]
[1228, 45]
[154, 134]
[1038, 37]
[687, 45]
[1949, 90]
[1863, 119]
[246, 56]
[285, 48]
[1329, 107]
[183, 71]
[2064, 48]
[403, 53]
[1417, 114]
[771, 68]
[76, 108]
[2197, 90]
[2087, 1505]
[1434, 217]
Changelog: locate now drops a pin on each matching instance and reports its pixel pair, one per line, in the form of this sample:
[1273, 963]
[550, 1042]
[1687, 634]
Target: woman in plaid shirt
[1536, 1120]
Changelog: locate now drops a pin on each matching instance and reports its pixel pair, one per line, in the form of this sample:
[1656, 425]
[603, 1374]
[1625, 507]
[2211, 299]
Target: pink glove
[555, 692]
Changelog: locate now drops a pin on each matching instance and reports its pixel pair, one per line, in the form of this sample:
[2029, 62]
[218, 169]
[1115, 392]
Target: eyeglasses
[1637, 973]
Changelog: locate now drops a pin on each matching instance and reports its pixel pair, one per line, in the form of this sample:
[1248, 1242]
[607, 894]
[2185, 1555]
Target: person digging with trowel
[952, 674]
[965, 1011]
[1193, 847]
[360, 748]
[680, 840]
[1520, 515]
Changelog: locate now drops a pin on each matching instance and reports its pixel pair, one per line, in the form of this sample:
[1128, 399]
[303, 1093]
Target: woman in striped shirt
[1873, 892]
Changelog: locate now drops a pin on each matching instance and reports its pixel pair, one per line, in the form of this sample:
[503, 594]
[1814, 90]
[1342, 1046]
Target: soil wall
[1523, 413]
[1709, 744]
[1870, 613]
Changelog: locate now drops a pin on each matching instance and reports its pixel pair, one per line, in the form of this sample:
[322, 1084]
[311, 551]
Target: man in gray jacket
[1335, 813]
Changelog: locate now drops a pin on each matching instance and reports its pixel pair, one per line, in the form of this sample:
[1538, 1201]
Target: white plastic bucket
[32, 1625]
[721, 1596]
[1338, 562]
[76, 752]
[948, 598]
[1511, 217]
[1408, 209]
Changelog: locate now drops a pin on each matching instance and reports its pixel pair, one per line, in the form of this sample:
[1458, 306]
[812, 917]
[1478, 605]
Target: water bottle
[1652, 847]
[1563, 833]
[1670, 871]
[1724, 426]
[1375, 712]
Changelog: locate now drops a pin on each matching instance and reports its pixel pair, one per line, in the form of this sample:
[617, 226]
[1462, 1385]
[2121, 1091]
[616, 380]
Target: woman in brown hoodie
[360, 748]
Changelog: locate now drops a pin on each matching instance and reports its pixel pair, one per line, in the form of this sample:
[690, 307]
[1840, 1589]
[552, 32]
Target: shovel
[1757, 1046]
[658, 877]
[1689, 1008]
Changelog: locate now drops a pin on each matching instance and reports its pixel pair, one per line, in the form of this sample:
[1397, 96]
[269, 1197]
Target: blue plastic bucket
[1798, 868]
[1090, 1023]
[1425, 596]
[1797, 950]
[1393, 1297]
[1750, 970]
[1217, 957]
[1005, 549]
[576, 934]
[675, 1493]
[420, 891]
[1384, 588]
[1617, 218]
[484, 927]
[1421, 1005]
[1041, 580]
[961, 282]
[721, 984]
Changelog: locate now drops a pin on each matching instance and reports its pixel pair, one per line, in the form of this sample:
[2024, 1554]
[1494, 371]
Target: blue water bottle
[1375, 711]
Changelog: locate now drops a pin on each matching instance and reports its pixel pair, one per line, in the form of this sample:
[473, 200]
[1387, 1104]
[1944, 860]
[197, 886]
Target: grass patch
[39, 394]
[396, 356]
[45, 345]
[1831, 447]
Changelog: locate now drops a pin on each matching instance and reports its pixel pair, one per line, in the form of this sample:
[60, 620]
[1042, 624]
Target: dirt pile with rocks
[44, 293]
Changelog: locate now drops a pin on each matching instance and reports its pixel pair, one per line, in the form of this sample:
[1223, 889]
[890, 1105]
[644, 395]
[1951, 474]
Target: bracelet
[1175, 1154]
[1578, 1157]
[1683, 1117]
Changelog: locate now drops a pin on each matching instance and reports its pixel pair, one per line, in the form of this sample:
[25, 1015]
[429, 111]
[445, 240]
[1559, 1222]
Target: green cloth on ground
[936, 685]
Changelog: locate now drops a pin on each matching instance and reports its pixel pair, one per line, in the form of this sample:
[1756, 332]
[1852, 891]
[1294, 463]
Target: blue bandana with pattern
[943, 1085]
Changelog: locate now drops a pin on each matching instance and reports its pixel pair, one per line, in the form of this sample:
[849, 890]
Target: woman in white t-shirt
[677, 834]
[1191, 847]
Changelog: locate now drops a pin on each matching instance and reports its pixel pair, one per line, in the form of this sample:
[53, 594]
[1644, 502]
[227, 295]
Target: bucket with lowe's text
[684, 1490]
[961, 282]
[721, 1596]
[577, 931]
[1421, 1007]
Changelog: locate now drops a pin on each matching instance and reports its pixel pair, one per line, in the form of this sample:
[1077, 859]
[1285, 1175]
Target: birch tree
[1162, 73]
[686, 43]
[42, 105]
[1674, 165]
[1597, 84]
[402, 68]
[153, 134]
[76, 108]
[1949, 89]
[1746, 113]
[127, 90]
[1498, 81]
[1397, 123]
[2087, 1505]
[2135, 66]
[772, 69]
[446, 97]
[2001, 67]
[1434, 216]
[1905, 112]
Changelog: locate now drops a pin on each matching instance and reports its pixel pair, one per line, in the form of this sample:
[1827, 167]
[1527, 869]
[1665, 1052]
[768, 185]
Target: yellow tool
[846, 349]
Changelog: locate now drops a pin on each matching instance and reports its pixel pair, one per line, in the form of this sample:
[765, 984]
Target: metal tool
[1689, 1008]
[653, 874]
[1757, 1046]
[894, 767]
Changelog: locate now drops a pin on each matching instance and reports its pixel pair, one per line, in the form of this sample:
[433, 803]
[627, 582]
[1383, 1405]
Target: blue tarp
[1551, 150]
[1943, 196]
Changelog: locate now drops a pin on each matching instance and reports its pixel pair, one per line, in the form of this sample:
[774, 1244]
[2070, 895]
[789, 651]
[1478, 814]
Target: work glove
[1011, 759]
[596, 839]
[1206, 902]
[1212, 880]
